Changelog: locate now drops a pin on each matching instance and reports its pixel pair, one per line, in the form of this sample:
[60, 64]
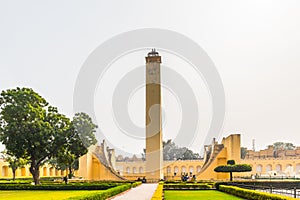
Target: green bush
[233, 168]
[172, 181]
[135, 184]
[251, 194]
[217, 184]
[104, 195]
[61, 186]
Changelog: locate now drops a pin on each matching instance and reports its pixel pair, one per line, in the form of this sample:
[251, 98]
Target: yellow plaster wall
[90, 168]
[45, 170]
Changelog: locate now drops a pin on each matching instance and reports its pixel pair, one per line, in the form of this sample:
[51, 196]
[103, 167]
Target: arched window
[56, 172]
[51, 171]
[176, 170]
[141, 170]
[191, 169]
[297, 168]
[288, 166]
[183, 169]
[168, 170]
[259, 168]
[23, 171]
[44, 171]
[134, 170]
[198, 168]
[128, 170]
[268, 168]
[5, 171]
[278, 168]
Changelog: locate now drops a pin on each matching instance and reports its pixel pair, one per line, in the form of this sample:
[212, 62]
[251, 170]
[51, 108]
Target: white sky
[254, 44]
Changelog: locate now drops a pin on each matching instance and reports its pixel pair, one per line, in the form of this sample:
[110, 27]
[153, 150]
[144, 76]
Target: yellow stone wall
[45, 170]
[90, 168]
[231, 150]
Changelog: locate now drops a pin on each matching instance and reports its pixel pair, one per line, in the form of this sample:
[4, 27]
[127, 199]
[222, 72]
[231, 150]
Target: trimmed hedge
[234, 168]
[251, 194]
[135, 184]
[275, 184]
[62, 186]
[187, 186]
[158, 194]
[107, 193]
[103, 195]
[47, 178]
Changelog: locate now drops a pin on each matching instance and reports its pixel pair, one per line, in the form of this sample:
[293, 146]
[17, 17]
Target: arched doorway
[5, 171]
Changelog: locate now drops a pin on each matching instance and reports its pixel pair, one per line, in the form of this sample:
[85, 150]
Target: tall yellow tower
[154, 156]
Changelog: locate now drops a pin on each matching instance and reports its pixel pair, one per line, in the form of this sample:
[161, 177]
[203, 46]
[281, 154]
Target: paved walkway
[142, 192]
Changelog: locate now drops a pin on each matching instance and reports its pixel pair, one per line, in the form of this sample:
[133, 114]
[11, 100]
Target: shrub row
[47, 178]
[158, 194]
[251, 194]
[104, 195]
[180, 182]
[188, 186]
[135, 184]
[82, 186]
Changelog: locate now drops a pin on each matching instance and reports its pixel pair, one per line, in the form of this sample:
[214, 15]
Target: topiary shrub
[230, 168]
[251, 194]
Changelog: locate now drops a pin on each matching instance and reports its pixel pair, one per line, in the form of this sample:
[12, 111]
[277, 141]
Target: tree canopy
[80, 137]
[172, 152]
[33, 130]
[232, 167]
[243, 152]
[283, 146]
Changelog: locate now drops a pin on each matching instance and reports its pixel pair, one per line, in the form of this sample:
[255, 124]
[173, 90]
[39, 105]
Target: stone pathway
[142, 192]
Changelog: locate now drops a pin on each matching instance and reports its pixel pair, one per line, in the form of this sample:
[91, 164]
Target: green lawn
[199, 194]
[43, 194]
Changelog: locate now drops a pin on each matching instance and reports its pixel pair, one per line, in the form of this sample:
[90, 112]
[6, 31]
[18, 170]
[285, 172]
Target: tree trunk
[14, 174]
[230, 176]
[35, 172]
[70, 172]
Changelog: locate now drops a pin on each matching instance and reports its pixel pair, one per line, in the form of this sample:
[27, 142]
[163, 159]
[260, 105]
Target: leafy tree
[80, 137]
[243, 152]
[62, 166]
[143, 154]
[14, 163]
[172, 152]
[30, 128]
[281, 146]
[232, 167]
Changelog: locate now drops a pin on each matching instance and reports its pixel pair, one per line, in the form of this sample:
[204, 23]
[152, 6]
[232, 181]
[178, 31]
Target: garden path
[142, 192]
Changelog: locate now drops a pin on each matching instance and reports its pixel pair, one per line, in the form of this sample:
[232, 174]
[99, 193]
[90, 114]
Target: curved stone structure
[218, 154]
[98, 164]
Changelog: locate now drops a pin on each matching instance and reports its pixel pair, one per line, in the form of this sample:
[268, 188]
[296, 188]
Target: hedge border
[62, 186]
[251, 194]
[188, 186]
[103, 195]
[107, 193]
